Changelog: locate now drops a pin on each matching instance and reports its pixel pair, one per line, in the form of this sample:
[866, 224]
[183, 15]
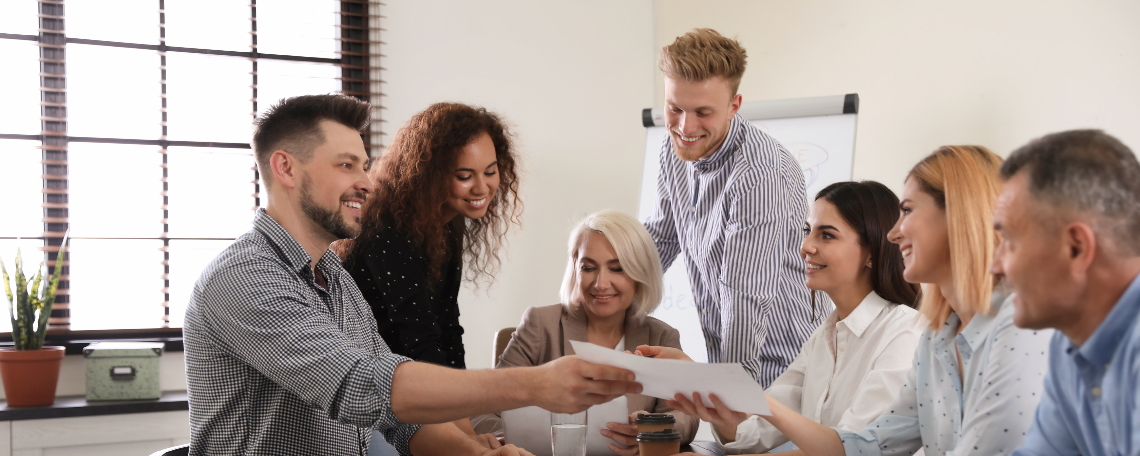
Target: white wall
[932, 73]
[572, 78]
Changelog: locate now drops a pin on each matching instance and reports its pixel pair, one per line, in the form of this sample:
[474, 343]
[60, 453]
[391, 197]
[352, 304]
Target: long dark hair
[872, 210]
[411, 181]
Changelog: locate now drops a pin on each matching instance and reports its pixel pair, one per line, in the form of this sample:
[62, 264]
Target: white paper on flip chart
[664, 378]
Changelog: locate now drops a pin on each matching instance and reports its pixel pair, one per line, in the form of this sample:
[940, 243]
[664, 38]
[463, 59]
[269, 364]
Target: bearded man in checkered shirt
[282, 353]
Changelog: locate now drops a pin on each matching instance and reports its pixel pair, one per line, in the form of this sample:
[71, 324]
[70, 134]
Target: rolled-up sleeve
[367, 390]
[298, 347]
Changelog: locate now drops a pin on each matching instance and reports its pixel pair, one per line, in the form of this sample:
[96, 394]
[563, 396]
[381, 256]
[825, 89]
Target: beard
[688, 153]
[328, 219]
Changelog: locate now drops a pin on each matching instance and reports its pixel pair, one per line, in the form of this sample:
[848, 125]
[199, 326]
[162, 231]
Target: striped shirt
[276, 364]
[737, 215]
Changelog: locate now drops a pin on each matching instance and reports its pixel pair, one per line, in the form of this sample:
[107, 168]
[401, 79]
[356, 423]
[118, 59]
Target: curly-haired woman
[446, 193]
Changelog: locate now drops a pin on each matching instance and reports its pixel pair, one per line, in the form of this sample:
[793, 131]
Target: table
[711, 448]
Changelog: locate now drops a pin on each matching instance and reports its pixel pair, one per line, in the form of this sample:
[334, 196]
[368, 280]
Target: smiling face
[334, 182]
[922, 236]
[835, 258]
[698, 115]
[474, 181]
[1034, 259]
[606, 290]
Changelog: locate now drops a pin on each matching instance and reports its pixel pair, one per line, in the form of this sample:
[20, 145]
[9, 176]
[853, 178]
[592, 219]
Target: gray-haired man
[1069, 215]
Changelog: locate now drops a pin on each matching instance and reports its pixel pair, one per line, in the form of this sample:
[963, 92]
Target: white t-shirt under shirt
[846, 374]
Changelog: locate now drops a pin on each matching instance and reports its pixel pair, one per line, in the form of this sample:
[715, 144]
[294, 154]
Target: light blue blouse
[988, 412]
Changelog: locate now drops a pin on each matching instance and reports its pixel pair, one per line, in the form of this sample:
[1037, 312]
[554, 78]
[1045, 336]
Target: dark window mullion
[165, 170]
[53, 120]
[255, 56]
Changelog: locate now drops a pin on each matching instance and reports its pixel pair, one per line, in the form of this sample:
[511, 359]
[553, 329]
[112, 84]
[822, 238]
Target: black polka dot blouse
[417, 318]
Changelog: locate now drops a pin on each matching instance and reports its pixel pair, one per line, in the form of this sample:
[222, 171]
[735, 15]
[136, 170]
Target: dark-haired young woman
[852, 366]
[446, 193]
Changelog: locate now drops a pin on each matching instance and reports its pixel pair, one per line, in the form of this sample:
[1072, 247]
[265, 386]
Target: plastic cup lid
[667, 435]
[655, 418]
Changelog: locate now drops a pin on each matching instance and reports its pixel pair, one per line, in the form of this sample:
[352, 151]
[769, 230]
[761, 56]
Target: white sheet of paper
[664, 378]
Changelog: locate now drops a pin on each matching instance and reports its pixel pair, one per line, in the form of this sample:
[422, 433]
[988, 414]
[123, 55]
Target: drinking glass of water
[568, 434]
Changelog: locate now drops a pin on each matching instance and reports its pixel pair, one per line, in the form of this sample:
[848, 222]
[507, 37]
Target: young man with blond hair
[732, 199]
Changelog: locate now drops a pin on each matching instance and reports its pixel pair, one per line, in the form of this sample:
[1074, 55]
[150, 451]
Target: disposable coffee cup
[659, 443]
[649, 422]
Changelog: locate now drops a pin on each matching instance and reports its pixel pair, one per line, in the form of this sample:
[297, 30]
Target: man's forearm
[426, 393]
[443, 439]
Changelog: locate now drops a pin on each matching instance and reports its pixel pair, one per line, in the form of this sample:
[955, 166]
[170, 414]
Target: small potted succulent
[30, 370]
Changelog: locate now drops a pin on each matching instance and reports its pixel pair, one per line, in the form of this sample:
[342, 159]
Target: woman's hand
[508, 450]
[654, 351]
[721, 417]
[488, 441]
[624, 434]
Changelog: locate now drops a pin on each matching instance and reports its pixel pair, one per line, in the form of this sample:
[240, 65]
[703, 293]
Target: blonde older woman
[613, 281]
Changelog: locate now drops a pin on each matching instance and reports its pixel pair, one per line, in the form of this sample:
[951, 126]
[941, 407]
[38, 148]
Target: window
[127, 122]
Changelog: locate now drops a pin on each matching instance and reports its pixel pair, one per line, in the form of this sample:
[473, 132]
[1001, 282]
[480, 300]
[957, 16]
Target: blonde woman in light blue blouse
[976, 378]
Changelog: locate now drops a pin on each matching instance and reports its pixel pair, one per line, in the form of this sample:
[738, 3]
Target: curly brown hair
[411, 187]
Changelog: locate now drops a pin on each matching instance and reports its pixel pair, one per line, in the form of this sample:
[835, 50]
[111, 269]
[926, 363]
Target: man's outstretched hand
[571, 385]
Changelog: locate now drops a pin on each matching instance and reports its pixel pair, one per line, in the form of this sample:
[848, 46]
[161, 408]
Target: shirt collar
[981, 324]
[867, 311]
[730, 144]
[288, 248]
[1101, 346]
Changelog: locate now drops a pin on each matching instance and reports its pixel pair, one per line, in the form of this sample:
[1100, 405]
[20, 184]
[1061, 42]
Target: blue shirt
[1092, 398]
[737, 215]
[277, 364]
[985, 411]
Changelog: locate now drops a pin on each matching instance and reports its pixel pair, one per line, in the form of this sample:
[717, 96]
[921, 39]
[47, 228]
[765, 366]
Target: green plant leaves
[29, 307]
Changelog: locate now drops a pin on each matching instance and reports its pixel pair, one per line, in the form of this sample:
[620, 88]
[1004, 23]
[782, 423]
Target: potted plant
[30, 370]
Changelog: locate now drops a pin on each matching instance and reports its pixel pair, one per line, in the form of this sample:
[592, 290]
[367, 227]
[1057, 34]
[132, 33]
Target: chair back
[180, 450]
[502, 336]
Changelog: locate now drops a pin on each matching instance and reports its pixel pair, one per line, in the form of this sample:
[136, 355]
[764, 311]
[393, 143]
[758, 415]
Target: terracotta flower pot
[30, 376]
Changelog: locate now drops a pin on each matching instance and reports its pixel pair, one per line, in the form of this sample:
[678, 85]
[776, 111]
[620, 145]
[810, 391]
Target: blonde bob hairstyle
[636, 252]
[963, 180]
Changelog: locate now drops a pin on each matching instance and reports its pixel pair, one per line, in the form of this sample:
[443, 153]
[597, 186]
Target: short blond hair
[963, 180]
[636, 252]
[704, 53]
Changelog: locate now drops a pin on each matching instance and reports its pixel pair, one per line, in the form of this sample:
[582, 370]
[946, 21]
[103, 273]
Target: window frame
[358, 37]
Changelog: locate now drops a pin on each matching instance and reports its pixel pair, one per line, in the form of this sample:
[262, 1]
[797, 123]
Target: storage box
[122, 370]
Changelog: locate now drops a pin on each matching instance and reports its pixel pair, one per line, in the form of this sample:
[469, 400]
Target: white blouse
[846, 374]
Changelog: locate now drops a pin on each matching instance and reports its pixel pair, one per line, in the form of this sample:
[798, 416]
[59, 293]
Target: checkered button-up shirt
[276, 364]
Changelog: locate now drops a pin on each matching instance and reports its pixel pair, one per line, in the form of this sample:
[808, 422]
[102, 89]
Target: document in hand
[664, 378]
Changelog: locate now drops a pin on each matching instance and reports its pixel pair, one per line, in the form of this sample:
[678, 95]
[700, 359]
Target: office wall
[932, 73]
[571, 77]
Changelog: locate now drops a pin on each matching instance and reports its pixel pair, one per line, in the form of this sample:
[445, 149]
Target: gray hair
[1089, 172]
[636, 252]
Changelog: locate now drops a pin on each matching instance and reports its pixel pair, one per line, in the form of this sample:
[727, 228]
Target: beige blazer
[544, 334]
